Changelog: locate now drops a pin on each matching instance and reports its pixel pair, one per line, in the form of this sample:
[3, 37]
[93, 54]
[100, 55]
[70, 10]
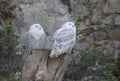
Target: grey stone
[83, 46]
[117, 20]
[116, 54]
[94, 1]
[108, 20]
[115, 34]
[95, 27]
[116, 44]
[102, 25]
[112, 6]
[87, 22]
[79, 9]
[83, 11]
[56, 7]
[82, 27]
[96, 18]
[1, 1]
[1, 28]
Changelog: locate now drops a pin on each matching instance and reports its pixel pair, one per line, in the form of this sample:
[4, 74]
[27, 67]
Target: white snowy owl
[36, 37]
[64, 39]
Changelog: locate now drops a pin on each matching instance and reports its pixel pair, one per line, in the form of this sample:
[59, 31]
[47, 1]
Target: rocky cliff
[98, 30]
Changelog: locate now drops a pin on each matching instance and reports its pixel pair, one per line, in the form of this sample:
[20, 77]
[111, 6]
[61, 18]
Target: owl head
[36, 26]
[69, 24]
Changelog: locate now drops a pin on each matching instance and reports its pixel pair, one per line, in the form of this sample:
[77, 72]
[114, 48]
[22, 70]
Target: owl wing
[42, 39]
[64, 39]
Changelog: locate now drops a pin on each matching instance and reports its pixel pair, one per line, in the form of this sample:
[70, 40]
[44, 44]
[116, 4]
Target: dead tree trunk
[35, 65]
[56, 67]
[40, 67]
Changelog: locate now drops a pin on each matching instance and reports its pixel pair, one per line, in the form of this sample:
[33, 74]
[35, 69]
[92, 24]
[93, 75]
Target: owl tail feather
[52, 54]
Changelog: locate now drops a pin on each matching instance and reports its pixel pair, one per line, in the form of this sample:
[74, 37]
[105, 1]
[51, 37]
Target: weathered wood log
[35, 61]
[57, 67]
[40, 67]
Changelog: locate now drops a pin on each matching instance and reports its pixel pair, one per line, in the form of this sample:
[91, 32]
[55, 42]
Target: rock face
[98, 38]
[117, 20]
[97, 24]
[97, 27]
[96, 17]
[112, 7]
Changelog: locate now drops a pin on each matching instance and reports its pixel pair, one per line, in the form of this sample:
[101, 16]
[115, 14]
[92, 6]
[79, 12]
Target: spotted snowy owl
[64, 39]
[36, 37]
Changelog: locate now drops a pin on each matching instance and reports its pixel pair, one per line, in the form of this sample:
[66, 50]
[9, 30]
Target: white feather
[36, 37]
[64, 39]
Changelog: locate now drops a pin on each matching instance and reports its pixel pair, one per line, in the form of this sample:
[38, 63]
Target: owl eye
[69, 23]
[36, 26]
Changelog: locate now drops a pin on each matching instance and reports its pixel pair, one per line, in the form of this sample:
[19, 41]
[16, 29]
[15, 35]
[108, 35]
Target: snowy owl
[36, 37]
[64, 39]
